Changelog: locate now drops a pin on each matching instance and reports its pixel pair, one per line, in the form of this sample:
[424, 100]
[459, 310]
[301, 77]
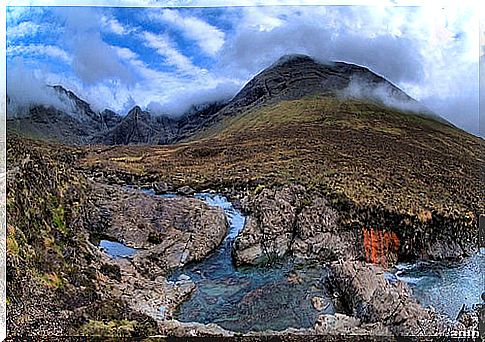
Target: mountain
[140, 127]
[332, 180]
[291, 77]
[298, 76]
[74, 125]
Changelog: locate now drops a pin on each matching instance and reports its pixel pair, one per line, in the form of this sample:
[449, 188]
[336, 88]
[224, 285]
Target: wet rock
[368, 296]
[286, 221]
[269, 226]
[171, 231]
[185, 191]
[160, 188]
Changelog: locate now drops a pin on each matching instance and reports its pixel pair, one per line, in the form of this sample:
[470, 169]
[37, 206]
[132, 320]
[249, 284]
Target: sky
[166, 59]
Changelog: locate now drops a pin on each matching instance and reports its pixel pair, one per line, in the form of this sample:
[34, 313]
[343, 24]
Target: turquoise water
[116, 249]
[280, 296]
[443, 285]
[249, 298]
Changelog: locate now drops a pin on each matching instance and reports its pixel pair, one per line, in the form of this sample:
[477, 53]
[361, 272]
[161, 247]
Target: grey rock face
[369, 297]
[73, 127]
[285, 221]
[171, 231]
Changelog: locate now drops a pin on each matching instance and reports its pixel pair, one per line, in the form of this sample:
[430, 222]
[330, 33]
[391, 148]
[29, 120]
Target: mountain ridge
[290, 77]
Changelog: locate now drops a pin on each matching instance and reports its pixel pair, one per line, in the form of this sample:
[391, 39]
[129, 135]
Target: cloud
[208, 37]
[96, 61]
[114, 26]
[326, 34]
[93, 60]
[164, 47]
[24, 29]
[40, 50]
[182, 101]
[434, 61]
[26, 88]
[125, 53]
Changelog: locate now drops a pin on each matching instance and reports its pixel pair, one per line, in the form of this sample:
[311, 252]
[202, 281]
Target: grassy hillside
[366, 153]
[52, 273]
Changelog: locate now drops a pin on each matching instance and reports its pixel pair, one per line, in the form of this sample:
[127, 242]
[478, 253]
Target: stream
[445, 286]
[285, 295]
[250, 298]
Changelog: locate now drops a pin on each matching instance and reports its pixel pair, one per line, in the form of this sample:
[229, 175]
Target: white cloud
[208, 37]
[114, 26]
[24, 29]
[125, 53]
[431, 52]
[164, 47]
[39, 50]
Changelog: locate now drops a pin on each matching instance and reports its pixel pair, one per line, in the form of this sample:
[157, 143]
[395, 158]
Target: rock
[340, 324]
[285, 221]
[269, 226]
[172, 232]
[192, 329]
[160, 188]
[183, 277]
[372, 299]
[185, 191]
[319, 303]
[468, 318]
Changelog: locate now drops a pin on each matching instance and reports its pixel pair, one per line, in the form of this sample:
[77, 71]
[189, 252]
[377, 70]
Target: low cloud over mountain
[167, 60]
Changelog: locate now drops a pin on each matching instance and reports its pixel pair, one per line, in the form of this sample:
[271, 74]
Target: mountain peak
[295, 57]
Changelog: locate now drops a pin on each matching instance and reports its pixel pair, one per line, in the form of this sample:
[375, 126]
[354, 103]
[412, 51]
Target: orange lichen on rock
[380, 245]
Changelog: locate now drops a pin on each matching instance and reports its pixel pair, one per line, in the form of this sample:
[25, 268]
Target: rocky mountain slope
[381, 170]
[81, 125]
[291, 77]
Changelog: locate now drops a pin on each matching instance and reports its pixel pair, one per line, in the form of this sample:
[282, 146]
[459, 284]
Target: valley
[288, 193]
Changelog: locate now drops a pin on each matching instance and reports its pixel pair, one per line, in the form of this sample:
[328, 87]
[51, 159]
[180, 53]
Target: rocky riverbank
[61, 282]
[310, 226]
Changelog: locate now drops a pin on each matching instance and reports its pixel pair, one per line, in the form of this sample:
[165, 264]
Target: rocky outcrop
[369, 297]
[171, 231]
[288, 221]
[291, 220]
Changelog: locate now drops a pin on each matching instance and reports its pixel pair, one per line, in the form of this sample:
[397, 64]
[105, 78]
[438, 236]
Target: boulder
[289, 220]
[368, 296]
[270, 225]
[186, 191]
[170, 231]
[160, 188]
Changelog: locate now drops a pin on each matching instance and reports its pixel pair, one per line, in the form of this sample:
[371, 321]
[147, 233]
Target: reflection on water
[445, 286]
[116, 249]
